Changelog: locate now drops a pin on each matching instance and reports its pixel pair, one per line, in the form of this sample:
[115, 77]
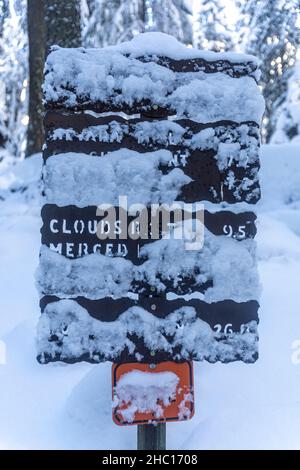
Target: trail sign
[171, 395]
[131, 129]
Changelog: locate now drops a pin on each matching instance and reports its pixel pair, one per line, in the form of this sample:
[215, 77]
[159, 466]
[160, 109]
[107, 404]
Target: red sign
[133, 382]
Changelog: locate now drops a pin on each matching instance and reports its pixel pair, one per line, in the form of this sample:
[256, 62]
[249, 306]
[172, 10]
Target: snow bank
[144, 392]
[280, 174]
[66, 331]
[20, 180]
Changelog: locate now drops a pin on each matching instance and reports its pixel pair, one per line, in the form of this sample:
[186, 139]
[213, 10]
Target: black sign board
[197, 157]
[72, 231]
[221, 160]
[229, 321]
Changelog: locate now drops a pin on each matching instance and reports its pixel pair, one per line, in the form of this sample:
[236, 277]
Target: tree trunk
[63, 23]
[49, 22]
[36, 38]
[3, 14]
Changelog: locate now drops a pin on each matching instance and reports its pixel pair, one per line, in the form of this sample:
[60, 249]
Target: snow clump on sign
[144, 392]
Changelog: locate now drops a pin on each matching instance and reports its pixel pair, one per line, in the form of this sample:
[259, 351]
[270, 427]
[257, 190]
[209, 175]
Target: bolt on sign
[150, 177]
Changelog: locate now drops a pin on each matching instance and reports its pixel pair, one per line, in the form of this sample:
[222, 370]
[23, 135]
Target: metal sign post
[151, 436]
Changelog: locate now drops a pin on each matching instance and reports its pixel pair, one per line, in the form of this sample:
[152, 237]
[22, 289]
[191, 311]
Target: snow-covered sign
[143, 395]
[141, 125]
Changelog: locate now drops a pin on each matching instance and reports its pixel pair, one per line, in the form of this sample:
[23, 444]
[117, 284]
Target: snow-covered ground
[69, 406]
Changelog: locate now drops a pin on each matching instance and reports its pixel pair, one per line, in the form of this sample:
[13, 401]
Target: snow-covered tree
[288, 121]
[49, 22]
[63, 22]
[214, 28]
[173, 17]
[4, 12]
[270, 30]
[36, 37]
[13, 75]
[109, 22]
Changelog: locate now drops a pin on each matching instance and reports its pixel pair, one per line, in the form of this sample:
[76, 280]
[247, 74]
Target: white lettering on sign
[57, 248]
[52, 229]
[228, 230]
[83, 249]
[79, 226]
[97, 248]
[92, 226]
[244, 329]
[75, 250]
[108, 249]
[122, 249]
[118, 230]
[69, 248]
[179, 158]
[135, 227]
[241, 233]
[227, 328]
[104, 227]
[64, 228]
